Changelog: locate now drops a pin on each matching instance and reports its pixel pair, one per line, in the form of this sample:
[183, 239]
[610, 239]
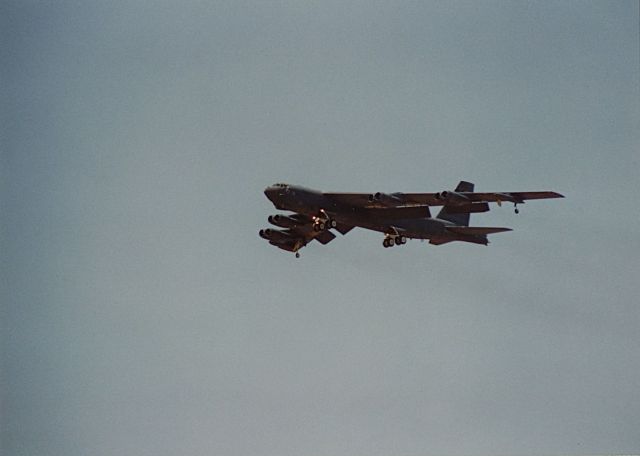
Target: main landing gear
[323, 222]
[393, 239]
[321, 225]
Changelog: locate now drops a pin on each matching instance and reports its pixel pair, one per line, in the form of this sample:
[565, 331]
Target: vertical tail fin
[457, 218]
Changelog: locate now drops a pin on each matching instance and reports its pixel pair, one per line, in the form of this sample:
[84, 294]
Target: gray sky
[143, 315]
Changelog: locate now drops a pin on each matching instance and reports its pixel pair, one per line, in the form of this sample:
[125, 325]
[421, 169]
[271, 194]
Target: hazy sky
[143, 315]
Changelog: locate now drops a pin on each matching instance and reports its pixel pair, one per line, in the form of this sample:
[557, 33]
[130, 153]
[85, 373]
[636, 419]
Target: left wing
[513, 197]
[448, 198]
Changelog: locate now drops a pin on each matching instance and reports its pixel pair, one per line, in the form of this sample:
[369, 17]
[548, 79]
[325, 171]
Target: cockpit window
[281, 185]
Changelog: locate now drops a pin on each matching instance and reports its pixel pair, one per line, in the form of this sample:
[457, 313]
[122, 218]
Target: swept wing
[377, 200]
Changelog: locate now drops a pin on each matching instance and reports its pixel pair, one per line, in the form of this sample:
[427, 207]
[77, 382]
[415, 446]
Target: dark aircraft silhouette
[400, 216]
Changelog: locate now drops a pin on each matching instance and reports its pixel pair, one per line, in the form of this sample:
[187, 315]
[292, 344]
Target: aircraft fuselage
[411, 221]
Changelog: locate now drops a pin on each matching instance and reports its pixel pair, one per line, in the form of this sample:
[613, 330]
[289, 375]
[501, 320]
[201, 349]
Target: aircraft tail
[451, 215]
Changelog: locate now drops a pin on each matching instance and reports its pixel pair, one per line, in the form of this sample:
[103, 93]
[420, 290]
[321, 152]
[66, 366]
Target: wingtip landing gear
[516, 210]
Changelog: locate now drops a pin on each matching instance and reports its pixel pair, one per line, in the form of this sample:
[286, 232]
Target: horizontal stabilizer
[476, 230]
[441, 240]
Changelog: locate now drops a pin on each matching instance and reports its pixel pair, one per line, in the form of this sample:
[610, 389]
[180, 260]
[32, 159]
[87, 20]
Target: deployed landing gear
[516, 210]
[393, 239]
[323, 222]
[297, 254]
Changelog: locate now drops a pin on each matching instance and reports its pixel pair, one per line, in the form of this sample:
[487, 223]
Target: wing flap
[325, 237]
[343, 229]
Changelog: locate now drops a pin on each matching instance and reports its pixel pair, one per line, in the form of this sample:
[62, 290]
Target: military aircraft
[400, 216]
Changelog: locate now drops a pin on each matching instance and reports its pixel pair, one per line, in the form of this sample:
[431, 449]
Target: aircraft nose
[270, 193]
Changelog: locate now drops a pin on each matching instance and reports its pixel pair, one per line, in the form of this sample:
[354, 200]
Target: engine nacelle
[452, 197]
[283, 221]
[290, 245]
[383, 198]
[274, 235]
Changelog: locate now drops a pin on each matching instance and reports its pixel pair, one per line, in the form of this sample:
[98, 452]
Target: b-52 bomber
[400, 216]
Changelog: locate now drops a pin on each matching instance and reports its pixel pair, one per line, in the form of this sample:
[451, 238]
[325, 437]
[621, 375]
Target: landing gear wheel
[385, 243]
[517, 211]
[401, 240]
[332, 223]
[297, 254]
[392, 242]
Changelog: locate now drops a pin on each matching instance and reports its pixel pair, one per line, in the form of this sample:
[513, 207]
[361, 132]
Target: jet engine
[274, 235]
[452, 197]
[385, 198]
[283, 221]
